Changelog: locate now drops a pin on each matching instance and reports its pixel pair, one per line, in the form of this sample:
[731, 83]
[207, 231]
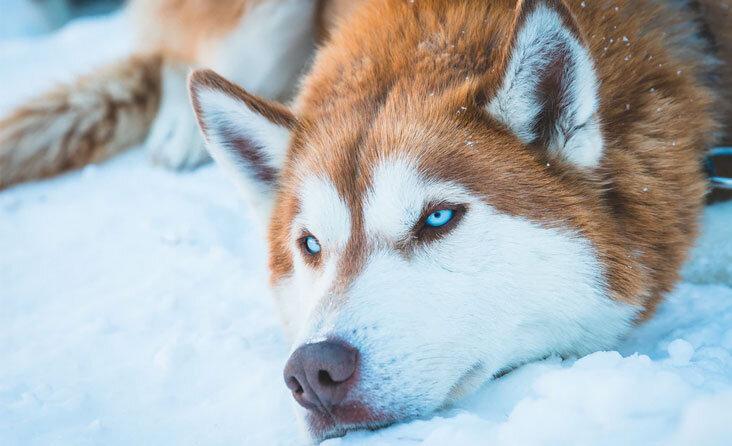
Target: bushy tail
[89, 120]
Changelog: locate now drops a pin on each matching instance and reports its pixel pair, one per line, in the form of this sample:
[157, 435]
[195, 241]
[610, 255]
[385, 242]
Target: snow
[134, 310]
[31, 65]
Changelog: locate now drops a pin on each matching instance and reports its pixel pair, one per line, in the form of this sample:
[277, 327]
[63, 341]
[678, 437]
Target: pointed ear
[246, 135]
[548, 89]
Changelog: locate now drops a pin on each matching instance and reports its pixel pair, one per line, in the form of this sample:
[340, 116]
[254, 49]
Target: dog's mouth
[355, 416]
[338, 421]
[343, 419]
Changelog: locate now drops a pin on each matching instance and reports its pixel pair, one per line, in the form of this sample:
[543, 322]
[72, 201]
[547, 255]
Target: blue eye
[312, 245]
[439, 218]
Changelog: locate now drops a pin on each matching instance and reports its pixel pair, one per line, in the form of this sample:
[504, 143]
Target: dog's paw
[175, 142]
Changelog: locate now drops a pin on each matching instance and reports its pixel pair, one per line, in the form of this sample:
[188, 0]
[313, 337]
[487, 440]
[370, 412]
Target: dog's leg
[174, 140]
[265, 53]
[269, 49]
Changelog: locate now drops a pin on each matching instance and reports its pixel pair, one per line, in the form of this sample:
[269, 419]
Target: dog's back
[181, 29]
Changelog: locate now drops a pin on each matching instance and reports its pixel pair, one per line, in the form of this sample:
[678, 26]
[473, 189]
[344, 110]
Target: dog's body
[465, 186]
[261, 44]
[459, 186]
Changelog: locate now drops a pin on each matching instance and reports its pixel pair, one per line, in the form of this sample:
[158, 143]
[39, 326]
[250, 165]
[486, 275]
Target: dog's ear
[246, 135]
[547, 90]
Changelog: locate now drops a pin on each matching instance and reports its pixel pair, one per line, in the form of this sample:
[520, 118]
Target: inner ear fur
[246, 135]
[546, 89]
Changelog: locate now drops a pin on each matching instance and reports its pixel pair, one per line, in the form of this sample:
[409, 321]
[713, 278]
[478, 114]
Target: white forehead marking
[398, 195]
[323, 212]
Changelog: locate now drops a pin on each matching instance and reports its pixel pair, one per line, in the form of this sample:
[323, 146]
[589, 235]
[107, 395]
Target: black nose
[321, 374]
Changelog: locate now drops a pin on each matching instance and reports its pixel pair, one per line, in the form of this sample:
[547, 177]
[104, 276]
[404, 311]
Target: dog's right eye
[438, 220]
[310, 245]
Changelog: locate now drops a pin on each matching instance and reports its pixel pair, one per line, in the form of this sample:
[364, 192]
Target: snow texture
[134, 310]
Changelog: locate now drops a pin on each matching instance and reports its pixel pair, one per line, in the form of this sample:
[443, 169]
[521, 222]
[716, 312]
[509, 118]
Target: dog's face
[420, 252]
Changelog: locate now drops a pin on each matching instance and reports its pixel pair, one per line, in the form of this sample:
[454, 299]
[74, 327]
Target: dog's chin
[358, 416]
[341, 420]
[354, 416]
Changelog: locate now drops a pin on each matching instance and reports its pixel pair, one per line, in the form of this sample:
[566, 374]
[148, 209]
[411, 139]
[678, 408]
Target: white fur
[497, 291]
[325, 215]
[269, 48]
[222, 113]
[577, 134]
[174, 140]
[392, 210]
[397, 198]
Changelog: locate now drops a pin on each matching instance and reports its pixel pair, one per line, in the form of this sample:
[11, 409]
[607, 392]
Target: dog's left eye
[439, 218]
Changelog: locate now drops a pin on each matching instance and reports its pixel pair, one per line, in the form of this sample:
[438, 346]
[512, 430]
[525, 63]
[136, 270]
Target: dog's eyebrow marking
[395, 200]
[398, 195]
[323, 213]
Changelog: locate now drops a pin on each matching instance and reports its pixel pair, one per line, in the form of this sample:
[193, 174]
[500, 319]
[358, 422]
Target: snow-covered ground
[134, 311]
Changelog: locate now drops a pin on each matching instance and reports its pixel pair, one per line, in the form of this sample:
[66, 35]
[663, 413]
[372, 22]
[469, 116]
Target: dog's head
[423, 240]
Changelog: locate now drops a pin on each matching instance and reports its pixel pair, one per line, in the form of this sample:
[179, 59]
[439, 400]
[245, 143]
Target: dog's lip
[356, 416]
[341, 420]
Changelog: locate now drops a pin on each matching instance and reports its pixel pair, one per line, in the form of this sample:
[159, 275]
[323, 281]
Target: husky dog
[458, 187]
[464, 186]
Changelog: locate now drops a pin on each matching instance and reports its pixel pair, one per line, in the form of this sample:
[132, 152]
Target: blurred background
[47, 42]
[28, 18]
